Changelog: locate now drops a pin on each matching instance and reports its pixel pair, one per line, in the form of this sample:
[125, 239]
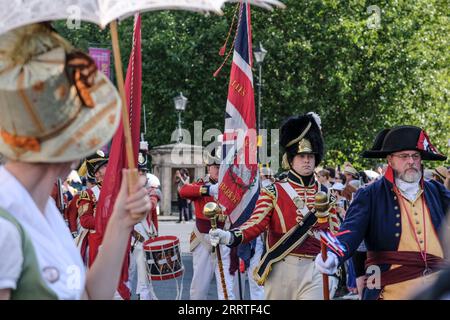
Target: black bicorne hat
[302, 134]
[92, 164]
[402, 138]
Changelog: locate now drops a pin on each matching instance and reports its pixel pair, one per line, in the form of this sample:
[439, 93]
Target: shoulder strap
[30, 285]
[298, 202]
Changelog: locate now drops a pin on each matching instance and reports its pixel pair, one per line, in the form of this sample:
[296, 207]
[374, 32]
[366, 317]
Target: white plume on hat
[316, 118]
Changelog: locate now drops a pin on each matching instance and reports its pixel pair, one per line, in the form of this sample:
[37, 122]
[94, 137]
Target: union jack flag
[330, 240]
[238, 176]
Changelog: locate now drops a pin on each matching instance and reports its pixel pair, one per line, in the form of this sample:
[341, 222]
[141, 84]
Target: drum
[163, 258]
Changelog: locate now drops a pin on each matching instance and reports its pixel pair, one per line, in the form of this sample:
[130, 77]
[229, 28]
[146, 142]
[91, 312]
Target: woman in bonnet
[55, 109]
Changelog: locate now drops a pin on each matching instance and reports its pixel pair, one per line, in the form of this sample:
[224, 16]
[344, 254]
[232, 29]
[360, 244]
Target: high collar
[304, 181]
[390, 176]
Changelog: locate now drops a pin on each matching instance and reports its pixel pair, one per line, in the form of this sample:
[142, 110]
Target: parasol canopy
[17, 13]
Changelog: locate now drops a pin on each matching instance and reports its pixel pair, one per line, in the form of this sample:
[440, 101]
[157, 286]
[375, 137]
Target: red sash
[411, 264]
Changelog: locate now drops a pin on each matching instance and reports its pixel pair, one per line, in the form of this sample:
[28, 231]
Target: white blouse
[59, 260]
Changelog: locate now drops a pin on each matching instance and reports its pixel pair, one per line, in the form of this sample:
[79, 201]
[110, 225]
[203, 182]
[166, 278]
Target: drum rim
[174, 242]
[167, 276]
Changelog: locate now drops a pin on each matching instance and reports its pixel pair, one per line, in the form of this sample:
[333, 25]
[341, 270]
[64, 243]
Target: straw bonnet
[54, 105]
[348, 168]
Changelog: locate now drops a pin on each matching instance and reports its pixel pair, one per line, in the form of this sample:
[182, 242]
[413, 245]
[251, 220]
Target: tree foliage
[322, 56]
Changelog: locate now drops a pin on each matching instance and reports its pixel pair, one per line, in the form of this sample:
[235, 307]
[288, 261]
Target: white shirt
[10, 263]
[59, 260]
[408, 189]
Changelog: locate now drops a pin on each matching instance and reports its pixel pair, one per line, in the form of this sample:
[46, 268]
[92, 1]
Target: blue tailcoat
[373, 216]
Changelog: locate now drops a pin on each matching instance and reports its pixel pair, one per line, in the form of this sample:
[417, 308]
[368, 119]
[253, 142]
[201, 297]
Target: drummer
[143, 231]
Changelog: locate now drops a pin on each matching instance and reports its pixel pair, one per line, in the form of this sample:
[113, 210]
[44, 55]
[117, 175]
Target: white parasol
[17, 13]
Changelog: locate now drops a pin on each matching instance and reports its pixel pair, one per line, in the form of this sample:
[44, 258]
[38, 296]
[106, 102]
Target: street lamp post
[260, 54]
[180, 105]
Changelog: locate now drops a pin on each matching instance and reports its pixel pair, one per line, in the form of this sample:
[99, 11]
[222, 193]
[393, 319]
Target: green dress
[30, 285]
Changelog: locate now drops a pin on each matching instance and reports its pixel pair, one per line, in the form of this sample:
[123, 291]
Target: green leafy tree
[332, 57]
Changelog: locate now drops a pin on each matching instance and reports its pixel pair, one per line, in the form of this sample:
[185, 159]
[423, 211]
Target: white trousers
[294, 278]
[138, 268]
[138, 265]
[205, 267]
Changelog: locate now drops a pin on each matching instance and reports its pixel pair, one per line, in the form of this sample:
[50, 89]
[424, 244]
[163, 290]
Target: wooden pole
[326, 289]
[211, 210]
[321, 204]
[133, 176]
[222, 275]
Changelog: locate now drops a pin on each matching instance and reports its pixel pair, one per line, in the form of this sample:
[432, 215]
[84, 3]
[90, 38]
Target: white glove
[214, 190]
[328, 267]
[219, 236]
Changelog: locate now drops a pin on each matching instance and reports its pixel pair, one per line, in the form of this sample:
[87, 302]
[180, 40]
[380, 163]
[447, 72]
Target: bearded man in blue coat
[399, 217]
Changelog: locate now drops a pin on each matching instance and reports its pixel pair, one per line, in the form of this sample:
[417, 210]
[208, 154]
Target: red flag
[117, 156]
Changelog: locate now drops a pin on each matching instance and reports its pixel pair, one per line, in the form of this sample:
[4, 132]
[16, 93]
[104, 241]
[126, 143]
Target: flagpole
[125, 118]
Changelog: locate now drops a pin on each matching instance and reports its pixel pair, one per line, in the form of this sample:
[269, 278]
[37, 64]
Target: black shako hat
[402, 138]
[302, 134]
[142, 160]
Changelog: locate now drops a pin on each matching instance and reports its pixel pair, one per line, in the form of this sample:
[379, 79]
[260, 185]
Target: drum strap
[199, 238]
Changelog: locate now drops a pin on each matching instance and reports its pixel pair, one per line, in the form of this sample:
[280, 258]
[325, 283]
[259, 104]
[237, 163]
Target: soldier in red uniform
[72, 209]
[204, 263]
[85, 202]
[288, 272]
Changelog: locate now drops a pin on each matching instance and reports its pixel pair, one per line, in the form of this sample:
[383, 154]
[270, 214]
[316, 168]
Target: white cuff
[8, 284]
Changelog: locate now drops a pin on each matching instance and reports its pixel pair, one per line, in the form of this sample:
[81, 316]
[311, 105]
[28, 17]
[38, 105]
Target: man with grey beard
[399, 218]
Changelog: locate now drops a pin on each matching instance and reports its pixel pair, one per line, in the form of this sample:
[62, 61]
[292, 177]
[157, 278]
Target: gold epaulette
[271, 190]
[84, 195]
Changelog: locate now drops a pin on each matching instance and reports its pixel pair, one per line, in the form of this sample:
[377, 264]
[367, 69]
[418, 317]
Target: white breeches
[205, 267]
